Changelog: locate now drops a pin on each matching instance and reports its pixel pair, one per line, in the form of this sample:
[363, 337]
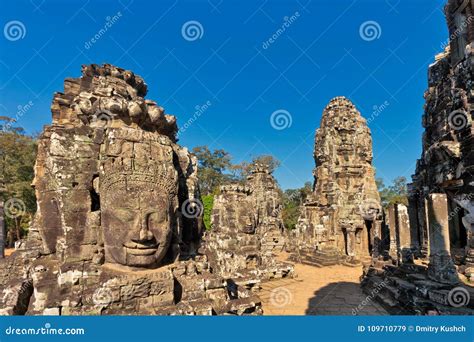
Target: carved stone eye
[154, 219]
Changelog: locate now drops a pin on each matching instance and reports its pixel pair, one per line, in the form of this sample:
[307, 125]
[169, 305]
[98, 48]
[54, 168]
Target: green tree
[241, 171]
[212, 168]
[208, 203]
[395, 193]
[17, 159]
[292, 201]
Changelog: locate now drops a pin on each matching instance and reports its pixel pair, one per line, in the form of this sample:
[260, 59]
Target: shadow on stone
[342, 298]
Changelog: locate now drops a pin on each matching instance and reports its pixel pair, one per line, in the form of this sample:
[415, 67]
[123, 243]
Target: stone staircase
[317, 258]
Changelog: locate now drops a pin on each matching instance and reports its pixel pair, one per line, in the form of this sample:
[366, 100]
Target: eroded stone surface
[247, 229]
[341, 218]
[109, 236]
[440, 197]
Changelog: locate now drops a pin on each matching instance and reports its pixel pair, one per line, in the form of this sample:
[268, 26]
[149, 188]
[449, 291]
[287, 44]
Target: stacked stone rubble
[341, 218]
[247, 231]
[110, 235]
[441, 199]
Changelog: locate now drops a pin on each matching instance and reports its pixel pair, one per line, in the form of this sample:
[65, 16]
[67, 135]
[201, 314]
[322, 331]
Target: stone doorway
[457, 231]
[368, 226]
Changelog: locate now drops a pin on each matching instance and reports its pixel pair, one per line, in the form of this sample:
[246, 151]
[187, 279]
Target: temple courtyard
[331, 290]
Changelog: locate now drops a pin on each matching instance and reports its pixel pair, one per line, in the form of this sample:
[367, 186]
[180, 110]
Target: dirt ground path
[331, 290]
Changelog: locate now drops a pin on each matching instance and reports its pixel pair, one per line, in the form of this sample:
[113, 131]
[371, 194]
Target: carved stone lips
[140, 248]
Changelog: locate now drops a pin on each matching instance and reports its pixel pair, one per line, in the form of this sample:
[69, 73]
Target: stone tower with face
[110, 178]
[343, 212]
[117, 229]
[138, 187]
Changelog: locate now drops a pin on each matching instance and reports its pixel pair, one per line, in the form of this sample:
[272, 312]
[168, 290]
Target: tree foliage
[242, 170]
[208, 203]
[17, 159]
[292, 201]
[216, 168]
[395, 193]
[212, 168]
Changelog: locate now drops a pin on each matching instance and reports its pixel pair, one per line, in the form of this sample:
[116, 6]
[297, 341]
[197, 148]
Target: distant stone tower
[342, 216]
[247, 230]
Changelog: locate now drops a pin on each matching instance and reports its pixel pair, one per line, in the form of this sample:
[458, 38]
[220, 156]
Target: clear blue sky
[320, 55]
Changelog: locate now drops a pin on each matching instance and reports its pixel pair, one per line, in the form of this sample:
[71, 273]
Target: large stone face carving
[109, 236]
[137, 229]
[106, 145]
[247, 230]
[341, 217]
[138, 188]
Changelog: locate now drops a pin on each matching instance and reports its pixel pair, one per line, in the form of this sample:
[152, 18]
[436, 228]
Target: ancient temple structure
[247, 231]
[341, 218]
[110, 235]
[441, 203]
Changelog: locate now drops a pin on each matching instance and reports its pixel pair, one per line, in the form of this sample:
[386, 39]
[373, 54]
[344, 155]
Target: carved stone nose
[145, 234]
[141, 232]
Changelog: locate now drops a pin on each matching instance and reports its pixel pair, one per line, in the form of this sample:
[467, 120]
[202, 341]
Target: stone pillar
[441, 267]
[391, 216]
[424, 226]
[351, 242]
[468, 224]
[414, 226]
[403, 233]
[377, 234]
